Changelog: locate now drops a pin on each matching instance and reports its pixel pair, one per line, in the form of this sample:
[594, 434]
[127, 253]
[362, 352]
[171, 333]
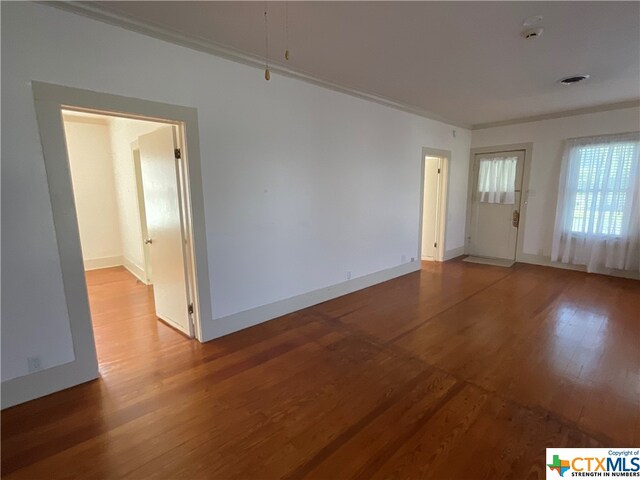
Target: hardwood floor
[460, 371]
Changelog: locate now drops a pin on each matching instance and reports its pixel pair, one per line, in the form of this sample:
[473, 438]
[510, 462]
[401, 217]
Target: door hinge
[438, 171]
[177, 153]
[435, 244]
[190, 309]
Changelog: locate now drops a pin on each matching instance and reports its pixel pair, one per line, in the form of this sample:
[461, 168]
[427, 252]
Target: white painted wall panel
[548, 137]
[301, 184]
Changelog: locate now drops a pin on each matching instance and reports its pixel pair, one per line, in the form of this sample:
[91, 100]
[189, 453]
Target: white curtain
[497, 180]
[598, 212]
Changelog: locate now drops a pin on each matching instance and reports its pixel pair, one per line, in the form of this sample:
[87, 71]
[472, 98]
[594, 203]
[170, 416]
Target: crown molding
[565, 113]
[161, 32]
[166, 34]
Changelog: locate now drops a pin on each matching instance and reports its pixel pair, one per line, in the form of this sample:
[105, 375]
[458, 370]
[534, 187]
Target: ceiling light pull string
[267, 74]
[286, 30]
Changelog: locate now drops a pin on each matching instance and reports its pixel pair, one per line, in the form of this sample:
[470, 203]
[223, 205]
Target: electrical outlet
[403, 259]
[34, 364]
[348, 275]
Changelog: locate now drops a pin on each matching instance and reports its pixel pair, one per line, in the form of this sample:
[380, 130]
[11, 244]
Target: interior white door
[160, 180]
[430, 208]
[495, 204]
[143, 214]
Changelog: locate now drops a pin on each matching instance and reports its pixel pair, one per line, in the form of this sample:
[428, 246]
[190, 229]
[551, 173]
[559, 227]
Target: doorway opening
[433, 209]
[49, 101]
[128, 181]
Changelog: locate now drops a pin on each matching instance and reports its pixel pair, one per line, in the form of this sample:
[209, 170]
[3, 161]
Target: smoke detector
[532, 32]
[573, 79]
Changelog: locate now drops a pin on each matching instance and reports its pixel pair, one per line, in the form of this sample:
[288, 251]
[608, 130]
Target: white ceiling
[461, 61]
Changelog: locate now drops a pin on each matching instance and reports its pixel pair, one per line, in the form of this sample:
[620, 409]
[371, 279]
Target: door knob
[148, 241]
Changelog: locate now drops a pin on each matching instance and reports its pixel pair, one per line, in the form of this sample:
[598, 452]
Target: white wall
[547, 137]
[301, 184]
[89, 147]
[123, 133]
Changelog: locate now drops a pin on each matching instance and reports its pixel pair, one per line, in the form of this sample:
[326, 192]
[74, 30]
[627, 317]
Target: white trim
[135, 270]
[52, 98]
[103, 14]
[186, 221]
[117, 261]
[562, 114]
[49, 100]
[453, 253]
[546, 262]
[77, 117]
[38, 384]
[102, 262]
[239, 321]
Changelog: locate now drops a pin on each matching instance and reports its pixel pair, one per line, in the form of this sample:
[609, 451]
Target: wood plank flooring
[460, 371]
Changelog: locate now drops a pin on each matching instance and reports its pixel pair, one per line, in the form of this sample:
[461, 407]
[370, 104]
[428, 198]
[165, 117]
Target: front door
[160, 181]
[495, 204]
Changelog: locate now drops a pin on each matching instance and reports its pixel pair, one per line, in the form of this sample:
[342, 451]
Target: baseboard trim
[135, 270]
[453, 253]
[239, 321]
[44, 382]
[103, 262]
[546, 262]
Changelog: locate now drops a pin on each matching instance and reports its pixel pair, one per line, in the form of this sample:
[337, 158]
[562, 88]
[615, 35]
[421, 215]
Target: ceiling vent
[532, 32]
[573, 79]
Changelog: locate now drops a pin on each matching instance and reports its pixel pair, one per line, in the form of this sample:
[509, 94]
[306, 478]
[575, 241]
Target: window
[603, 178]
[598, 212]
[497, 180]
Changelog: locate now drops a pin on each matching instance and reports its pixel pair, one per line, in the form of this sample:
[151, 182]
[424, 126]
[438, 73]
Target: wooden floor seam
[400, 351]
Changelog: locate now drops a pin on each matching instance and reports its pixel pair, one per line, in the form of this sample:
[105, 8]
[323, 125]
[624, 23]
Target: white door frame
[443, 200]
[524, 197]
[49, 101]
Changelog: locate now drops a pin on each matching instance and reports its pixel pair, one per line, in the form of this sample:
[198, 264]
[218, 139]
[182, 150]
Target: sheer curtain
[598, 217]
[497, 180]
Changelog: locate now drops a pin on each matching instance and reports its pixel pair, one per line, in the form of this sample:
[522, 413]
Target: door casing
[49, 100]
